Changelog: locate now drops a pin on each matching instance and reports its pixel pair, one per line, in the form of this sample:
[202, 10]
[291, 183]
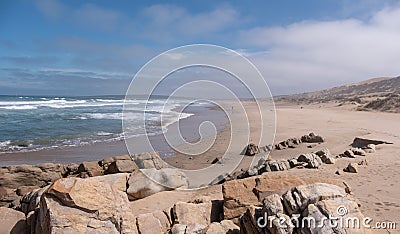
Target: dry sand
[376, 185]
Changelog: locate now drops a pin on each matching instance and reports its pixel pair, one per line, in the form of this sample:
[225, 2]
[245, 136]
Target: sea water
[30, 123]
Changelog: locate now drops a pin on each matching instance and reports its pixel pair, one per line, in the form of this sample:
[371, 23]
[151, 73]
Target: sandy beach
[375, 185]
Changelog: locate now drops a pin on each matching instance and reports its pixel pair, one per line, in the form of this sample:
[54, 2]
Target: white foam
[17, 107]
[4, 143]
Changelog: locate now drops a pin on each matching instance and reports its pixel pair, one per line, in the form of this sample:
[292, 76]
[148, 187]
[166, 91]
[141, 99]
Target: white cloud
[310, 55]
[171, 22]
[93, 16]
[51, 8]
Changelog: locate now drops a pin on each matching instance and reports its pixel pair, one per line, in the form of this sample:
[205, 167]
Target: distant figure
[301, 107]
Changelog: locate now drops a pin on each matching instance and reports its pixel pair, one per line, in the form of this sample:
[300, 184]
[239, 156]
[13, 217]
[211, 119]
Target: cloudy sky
[53, 47]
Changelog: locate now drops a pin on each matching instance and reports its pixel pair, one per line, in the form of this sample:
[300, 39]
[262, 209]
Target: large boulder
[15, 181]
[89, 205]
[12, 221]
[90, 169]
[352, 168]
[195, 216]
[149, 160]
[312, 160]
[121, 166]
[326, 156]
[363, 142]
[240, 194]
[142, 183]
[312, 138]
[310, 205]
[224, 227]
[251, 150]
[156, 222]
[30, 201]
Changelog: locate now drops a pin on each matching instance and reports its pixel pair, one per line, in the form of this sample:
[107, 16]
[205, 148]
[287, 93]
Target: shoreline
[99, 150]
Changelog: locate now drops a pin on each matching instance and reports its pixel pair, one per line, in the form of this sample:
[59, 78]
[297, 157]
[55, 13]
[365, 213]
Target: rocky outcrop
[363, 142]
[251, 150]
[309, 205]
[90, 169]
[289, 143]
[12, 221]
[240, 194]
[312, 160]
[142, 183]
[326, 156]
[224, 227]
[352, 168]
[312, 138]
[84, 205]
[196, 217]
[16, 181]
[149, 160]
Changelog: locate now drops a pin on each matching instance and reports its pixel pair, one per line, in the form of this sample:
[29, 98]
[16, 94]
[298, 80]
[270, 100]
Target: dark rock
[363, 142]
[352, 168]
[251, 149]
[216, 160]
[358, 151]
[121, 166]
[312, 138]
[90, 169]
[348, 154]
[312, 160]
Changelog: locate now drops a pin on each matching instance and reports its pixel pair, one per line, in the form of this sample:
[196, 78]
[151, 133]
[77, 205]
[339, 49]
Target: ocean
[32, 123]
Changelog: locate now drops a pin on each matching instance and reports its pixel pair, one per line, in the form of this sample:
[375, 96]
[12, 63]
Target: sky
[54, 47]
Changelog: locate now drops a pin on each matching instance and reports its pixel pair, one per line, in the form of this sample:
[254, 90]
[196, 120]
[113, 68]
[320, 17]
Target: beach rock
[251, 149]
[362, 142]
[298, 198]
[194, 216]
[149, 160]
[370, 148]
[12, 221]
[344, 207]
[312, 138]
[314, 201]
[89, 205]
[348, 154]
[330, 160]
[289, 143]
[178, 229]
[21, 191]
[240, 194]
[30, 201]
[312, 160]
[225, 226]
[121, 166]
[119, 180]
[16, 180]
[72, 169]
[216, 160]
[90, 169]
[352, 168]
[140, 185]
[358, 151]
[326, 156]
[52, 167]
[293, 163]
[248, 221]
[105, 163]
[153, 223]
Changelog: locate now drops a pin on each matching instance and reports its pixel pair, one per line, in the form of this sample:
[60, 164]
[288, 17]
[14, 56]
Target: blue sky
[51, 47]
